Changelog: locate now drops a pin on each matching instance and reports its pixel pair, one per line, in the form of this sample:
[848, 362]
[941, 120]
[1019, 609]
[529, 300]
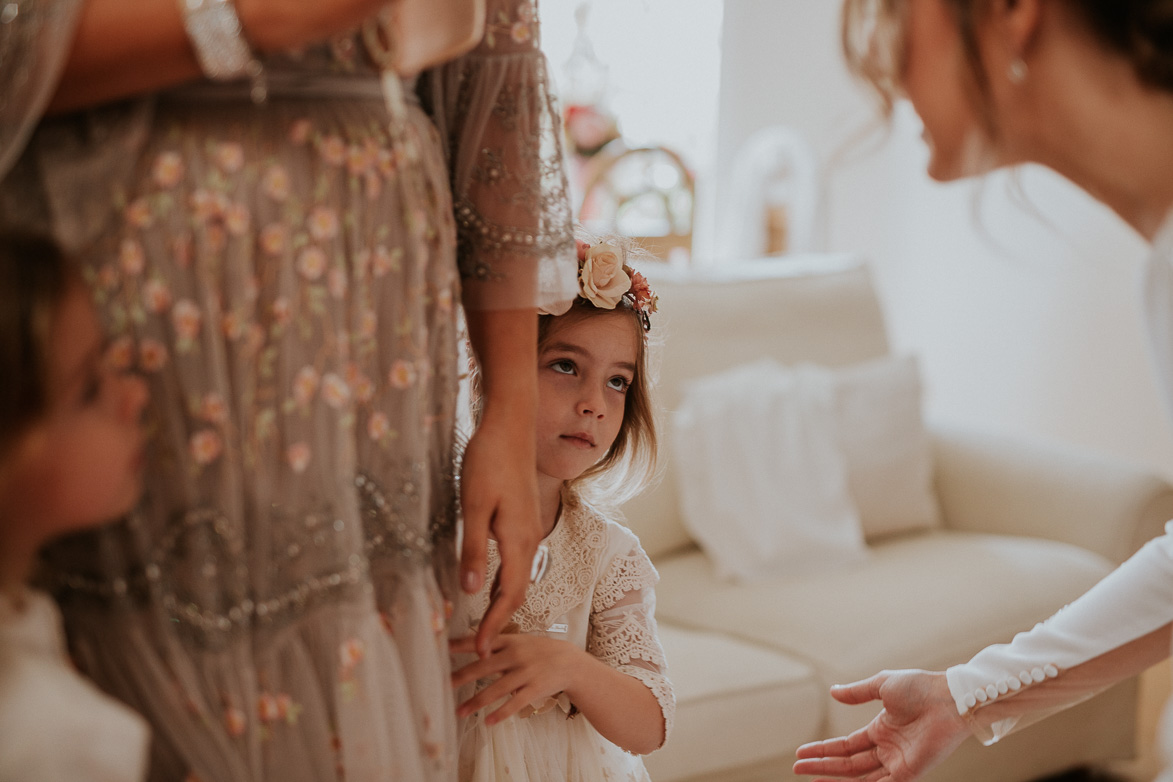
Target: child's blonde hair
[34, 278]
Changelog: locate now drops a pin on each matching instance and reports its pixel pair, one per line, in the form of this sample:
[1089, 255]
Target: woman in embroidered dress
[1085, 88]
[283, 272]
[579, 684]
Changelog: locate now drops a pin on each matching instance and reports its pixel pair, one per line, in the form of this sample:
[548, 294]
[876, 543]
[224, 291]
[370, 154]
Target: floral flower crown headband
[604, 280]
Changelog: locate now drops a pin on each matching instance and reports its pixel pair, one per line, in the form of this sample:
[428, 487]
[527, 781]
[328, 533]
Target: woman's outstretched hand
[918, 727]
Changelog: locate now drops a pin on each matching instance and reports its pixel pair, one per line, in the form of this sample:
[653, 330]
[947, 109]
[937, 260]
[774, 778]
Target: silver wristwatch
[218, 40]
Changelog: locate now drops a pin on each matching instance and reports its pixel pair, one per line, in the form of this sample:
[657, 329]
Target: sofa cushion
[886, 447]
[818, 309]
[925, 601]
[763, 478]
[736, 703]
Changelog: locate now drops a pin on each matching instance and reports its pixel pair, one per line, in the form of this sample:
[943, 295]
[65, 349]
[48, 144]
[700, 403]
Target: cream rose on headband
[602, 277]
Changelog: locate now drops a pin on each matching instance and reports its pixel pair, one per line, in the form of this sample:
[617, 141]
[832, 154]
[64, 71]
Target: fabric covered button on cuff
[992, 691]
[1051, 671]
[1014, 683]
[1025, 677]
[980, 694]
[970, 701]
[1003, 687]
[1037, 674]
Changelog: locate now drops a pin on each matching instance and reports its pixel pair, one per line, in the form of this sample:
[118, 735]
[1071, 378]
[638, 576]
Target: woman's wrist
[265, 28]
[283, 25]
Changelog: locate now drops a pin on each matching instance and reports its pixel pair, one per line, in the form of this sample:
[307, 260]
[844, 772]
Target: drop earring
[1017, 71]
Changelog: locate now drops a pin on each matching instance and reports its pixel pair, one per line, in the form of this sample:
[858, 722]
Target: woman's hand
[918, 728]
[499, 483]
[529, 667]
[499, 496]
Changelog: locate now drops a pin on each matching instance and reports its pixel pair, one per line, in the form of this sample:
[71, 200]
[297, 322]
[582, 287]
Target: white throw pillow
[761, 472]
[887, 449]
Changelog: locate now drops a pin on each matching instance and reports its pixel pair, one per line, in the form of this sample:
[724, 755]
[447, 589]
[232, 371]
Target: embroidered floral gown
[285, 277]
[598, 593]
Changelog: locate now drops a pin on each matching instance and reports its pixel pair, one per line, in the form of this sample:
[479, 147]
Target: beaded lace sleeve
[623, 627]
[497, 113]
[34, 44]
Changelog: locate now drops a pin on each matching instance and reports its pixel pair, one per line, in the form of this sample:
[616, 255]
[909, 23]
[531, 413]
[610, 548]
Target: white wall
[1025, 315]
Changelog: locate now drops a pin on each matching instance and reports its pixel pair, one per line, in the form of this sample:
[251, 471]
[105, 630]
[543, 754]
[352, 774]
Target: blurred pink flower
[168, 169]
[298, 455]
[311, 263]
[187, 318]
[156, 296]
[402, 375]
[131, 257]
[205, 446]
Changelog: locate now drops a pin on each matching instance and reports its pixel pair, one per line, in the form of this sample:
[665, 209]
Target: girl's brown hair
[873, 41]
[34, 277]
[632, 460]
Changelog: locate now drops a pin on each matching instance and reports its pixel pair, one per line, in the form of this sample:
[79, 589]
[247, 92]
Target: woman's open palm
[918, 727]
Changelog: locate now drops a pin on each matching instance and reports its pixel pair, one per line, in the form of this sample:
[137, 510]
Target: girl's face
[584, 371]
[935, 80]
[81, 464]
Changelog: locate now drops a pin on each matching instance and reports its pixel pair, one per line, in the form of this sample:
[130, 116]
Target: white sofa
[1025, 529]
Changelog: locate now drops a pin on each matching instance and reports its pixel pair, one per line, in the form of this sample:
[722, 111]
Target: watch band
[218, 40]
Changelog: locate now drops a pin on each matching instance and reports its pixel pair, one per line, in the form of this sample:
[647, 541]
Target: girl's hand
[918, 727]
[499, 494]
[530, 667]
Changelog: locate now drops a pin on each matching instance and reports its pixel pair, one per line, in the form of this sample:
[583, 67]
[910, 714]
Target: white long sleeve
[1039, 671]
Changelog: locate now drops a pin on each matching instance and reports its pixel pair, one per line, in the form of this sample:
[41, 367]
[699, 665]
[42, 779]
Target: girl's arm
[619, 683]
[620, 707]
[125, 48]
[532, 668]
[623, 638]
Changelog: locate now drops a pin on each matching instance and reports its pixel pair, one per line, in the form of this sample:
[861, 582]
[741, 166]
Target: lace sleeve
[496, 110]
[34, 43]
[623, 628]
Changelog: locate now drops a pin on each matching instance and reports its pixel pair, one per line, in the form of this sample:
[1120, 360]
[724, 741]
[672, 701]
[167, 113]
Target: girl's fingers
[466, 645]
[479, 669]
[491, 694]
[522, 699]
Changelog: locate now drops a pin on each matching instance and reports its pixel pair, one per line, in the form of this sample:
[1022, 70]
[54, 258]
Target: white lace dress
[598, 593]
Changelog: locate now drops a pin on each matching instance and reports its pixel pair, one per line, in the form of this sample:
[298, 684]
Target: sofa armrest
[999, 484]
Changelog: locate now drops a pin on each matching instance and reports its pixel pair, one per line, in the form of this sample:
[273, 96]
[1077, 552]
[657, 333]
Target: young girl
[70, 458]
[579, 683]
